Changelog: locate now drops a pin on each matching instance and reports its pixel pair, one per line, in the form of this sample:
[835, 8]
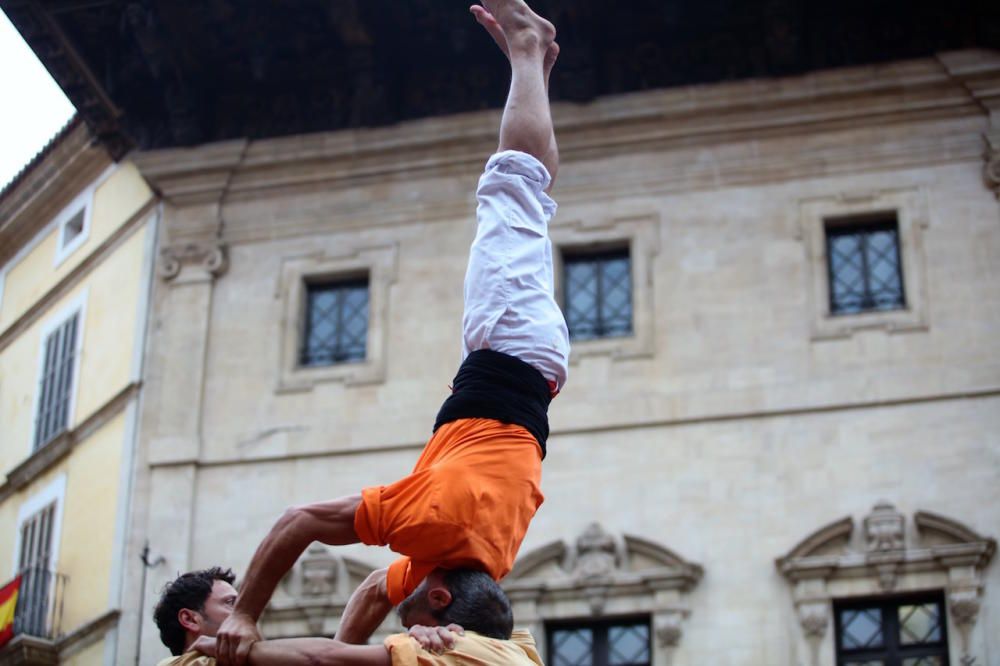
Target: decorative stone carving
[596, 550]
[991, 171]
[319, 572]
[210, 259]
[884, 528]
[668, 628]
[836, 562]
[602, 574]
[814, 618]
[313, 595]
[887, 575]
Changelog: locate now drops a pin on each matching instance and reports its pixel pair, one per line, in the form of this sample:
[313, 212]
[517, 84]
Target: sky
[34, 108]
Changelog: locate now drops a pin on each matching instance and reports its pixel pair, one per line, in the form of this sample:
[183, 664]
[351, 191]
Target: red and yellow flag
[8, 604]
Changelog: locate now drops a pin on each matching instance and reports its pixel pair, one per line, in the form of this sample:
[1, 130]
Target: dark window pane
[628, 645]
[598, 295]
[861, 628]
[601, 643]
[336, 323]
[919, 624]
[902, 631]
[572, 647]
[864, 267]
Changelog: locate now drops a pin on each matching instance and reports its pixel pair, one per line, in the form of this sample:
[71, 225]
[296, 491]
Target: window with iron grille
[598, 294]
[35, 567]
[56, 385]
[336, 322]
[864, 265]
[610, 643]
[905, 631]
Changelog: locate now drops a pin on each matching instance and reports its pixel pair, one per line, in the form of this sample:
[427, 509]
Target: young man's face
[218, 607]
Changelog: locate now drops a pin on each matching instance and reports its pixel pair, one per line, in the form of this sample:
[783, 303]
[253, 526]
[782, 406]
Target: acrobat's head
[195, 604]
[466, 597]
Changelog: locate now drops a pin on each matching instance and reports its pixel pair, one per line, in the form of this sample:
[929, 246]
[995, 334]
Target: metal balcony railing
[40, 603]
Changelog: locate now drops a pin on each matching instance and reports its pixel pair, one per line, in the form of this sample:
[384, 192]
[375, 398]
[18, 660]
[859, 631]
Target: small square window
[598, 294]
[336, 322]
[865, 266]
[73, 227]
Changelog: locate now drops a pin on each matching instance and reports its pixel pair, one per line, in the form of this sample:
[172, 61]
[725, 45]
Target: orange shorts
[467, 503]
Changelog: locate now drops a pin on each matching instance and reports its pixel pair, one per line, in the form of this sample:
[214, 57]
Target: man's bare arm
[306, 652]
[329, 522]
[366, 609]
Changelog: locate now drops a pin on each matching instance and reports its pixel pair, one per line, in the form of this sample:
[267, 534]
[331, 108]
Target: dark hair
[477, 603]
[190, 591]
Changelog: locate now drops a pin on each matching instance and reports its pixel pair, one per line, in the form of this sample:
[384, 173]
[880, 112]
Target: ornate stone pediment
[838, 560]
[313, 595]
[597, 558]
[884, 547]
[600, 574]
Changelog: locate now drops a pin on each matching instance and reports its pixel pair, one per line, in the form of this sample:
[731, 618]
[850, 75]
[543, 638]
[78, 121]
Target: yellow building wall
[8, 527]
[92, 655]
[89, 519]
[108, 332]
[115, 201]
[89, 514]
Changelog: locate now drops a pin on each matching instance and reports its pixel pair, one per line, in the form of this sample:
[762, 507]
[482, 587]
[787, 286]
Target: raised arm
[329, 522]
[366, 609]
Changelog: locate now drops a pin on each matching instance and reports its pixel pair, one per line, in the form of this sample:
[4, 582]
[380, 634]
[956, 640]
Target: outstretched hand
[235, 638]
[436, 639]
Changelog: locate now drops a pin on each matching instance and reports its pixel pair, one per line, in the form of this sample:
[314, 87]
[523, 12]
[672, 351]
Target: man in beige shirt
[193, 606]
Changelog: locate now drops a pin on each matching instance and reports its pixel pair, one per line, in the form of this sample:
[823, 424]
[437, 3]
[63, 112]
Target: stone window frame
[380, 264]
[887, 558]
[912, 213]
[640, 234]
[600, 577]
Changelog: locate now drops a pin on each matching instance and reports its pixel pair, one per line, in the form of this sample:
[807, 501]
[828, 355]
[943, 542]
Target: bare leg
[528, 42]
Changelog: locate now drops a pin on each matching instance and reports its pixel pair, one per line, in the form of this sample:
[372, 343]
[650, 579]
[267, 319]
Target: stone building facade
[739, 479]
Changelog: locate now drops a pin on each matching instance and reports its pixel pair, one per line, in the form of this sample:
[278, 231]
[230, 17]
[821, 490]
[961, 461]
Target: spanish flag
[8, 603]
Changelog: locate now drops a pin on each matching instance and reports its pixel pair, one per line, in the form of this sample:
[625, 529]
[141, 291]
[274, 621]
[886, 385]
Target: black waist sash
[492, 385]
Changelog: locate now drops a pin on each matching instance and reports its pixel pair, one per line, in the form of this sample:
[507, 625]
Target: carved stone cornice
[678, 122]
[192, 176]
[198, 261]
[979, 73]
